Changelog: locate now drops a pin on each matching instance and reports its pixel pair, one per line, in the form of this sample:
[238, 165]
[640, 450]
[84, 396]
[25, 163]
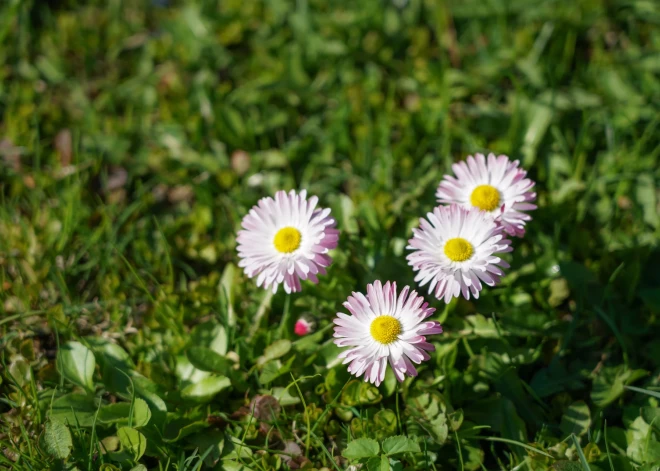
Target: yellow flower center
[385, 329]
[485, 197]
[458, 249]
[287, 239]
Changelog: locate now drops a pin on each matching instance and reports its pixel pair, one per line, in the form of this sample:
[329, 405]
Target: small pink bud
[303, 327]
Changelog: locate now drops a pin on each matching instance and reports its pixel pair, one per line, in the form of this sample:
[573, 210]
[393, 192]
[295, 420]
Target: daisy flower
[455, 251]
[496, 186]
[285, 240]
[384, 328]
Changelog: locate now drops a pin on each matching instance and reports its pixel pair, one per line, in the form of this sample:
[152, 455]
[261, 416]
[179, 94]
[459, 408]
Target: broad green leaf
[635, 450]
[473, 457]
[275, 350]
[182, 427]
[205, 359]
[211, 335]
[20, 371]
[139, 467]
[361, 448]
[132, 441]
[609, 385]
[270, 371]
[373, 464]
[456, 419]
[74, 409]
[644, 450]
[110, 443]
[118, 413]
[274, 369]
[637, 430]
[226, 289]
[111, 354]
[651, 451]
[591, 452]
[146, 390]
[539, 119]
[512, 425]
[57, 439]
[335, 380]
[576, 419]
[554, 379]
[235, 449]
[119, 379]
[114, 378]
[285, 397]
[388, 387]
[384, 424]
[651, 415]
[655, 466]
[378, 463]
[646, 197]
[231, 465]
[347, 214]
[481, 326]
[559, 292]
[400, 444]
[206, 389]
[428, 411]
[187, 373]
[358, 392]
[76, 363]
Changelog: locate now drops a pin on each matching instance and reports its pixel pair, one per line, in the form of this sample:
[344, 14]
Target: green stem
[283, 331]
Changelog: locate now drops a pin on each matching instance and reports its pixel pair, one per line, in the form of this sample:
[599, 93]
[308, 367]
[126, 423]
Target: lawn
[136, 135]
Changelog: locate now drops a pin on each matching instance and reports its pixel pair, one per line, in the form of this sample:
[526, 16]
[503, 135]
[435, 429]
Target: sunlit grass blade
[580, 453]
[655, 394]
[514, 442]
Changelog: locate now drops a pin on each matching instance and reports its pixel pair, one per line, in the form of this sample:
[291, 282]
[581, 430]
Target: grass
[134, 136]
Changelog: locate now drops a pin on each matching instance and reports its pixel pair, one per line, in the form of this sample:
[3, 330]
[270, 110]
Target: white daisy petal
[385, 328]
[495, 185]
[286, 239]
[454, 251]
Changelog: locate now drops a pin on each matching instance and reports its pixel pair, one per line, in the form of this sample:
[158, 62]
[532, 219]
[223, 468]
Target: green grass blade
[583, 460]
[644, 391]
[514, 442]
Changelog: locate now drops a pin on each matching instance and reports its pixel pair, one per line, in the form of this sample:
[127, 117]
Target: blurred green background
[134, 136]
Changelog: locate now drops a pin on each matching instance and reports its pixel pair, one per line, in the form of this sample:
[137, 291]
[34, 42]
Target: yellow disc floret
[485, 197]
[385, 329]
[458, 249]
[287, 239]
